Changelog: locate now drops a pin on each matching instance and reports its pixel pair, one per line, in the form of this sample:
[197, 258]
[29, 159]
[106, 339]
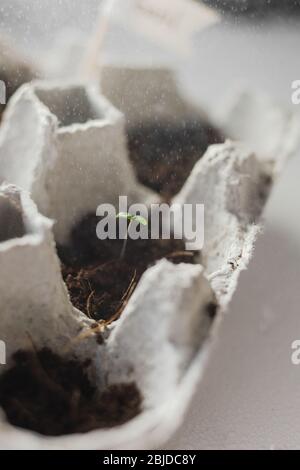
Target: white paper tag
[170, 23]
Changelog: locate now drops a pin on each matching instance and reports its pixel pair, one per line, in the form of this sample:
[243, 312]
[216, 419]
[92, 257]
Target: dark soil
[99, 282]
[52, 395]
[164, 154]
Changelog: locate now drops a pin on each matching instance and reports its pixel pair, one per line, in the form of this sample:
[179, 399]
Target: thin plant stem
[125, 242]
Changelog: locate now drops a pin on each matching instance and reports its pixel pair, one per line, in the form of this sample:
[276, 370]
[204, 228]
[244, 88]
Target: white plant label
[170, 23]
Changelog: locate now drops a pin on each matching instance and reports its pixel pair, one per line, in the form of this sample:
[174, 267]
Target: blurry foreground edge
[255, 7]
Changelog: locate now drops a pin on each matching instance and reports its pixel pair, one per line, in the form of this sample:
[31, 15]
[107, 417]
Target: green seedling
[132, 218]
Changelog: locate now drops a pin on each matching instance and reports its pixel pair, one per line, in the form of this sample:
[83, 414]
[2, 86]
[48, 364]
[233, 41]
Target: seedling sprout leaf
[124, 215]
[140, 219]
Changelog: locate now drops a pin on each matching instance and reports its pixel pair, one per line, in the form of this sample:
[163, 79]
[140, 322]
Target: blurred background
[249, 396]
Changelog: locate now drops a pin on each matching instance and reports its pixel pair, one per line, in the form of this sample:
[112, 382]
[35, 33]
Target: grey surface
[249, 396]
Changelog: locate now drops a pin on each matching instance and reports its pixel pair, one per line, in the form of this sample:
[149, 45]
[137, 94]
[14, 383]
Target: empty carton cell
[70, 105]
